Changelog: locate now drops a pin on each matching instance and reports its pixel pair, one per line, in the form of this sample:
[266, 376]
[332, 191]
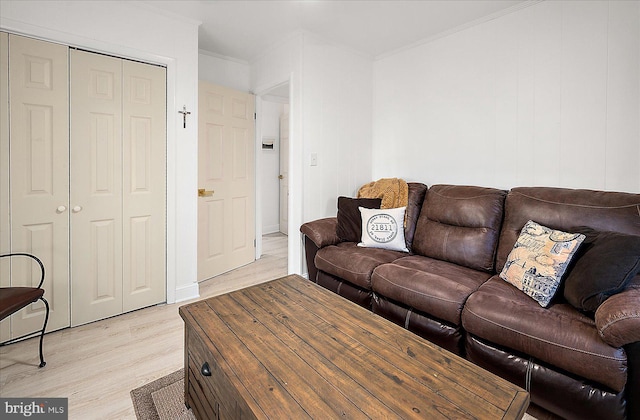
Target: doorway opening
[272, 174]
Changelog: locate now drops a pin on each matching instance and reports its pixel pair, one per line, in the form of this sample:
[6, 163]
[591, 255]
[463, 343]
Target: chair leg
[44, 327]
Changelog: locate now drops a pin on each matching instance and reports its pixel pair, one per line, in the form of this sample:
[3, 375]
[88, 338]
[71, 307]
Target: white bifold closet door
[117, 184]
[82, 181]
[35, 176]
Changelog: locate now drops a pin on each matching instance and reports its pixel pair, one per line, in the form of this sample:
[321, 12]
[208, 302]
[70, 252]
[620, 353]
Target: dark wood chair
[12, 299]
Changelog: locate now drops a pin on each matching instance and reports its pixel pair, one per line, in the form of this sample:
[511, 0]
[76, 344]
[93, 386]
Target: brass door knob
[204, 193]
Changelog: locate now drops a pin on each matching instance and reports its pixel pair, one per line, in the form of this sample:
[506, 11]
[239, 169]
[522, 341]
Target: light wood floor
[95, 366]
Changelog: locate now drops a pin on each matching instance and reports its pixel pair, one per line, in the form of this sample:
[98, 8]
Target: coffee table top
[293, 349]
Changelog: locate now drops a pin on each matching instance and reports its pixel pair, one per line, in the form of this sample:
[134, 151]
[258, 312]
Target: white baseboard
[270, 229]
[188, 292]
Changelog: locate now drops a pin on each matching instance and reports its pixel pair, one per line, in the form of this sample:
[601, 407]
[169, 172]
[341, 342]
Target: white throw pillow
[383, 228]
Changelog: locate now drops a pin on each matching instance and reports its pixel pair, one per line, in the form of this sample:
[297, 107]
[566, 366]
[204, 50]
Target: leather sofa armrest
[321, 232]
[618, 318]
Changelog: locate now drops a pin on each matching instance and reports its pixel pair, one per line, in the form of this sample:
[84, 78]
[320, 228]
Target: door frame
[264, 91]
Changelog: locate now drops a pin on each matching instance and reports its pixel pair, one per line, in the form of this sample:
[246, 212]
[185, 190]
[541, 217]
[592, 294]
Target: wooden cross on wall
[184, 113]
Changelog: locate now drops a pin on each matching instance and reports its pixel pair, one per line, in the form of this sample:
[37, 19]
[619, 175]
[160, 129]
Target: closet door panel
[39, 178]
[5, 226]
[144, 185]
[96, 186]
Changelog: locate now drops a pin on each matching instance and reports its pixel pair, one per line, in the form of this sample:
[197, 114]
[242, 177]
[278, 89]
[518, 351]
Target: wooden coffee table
[290, 349]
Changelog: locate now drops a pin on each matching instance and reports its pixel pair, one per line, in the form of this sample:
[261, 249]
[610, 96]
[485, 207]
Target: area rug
[162, 399]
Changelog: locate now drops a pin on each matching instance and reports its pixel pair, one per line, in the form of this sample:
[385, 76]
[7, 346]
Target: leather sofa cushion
[352, 263]
[618, 318]
[417, 191]
[321, 232]
[434, 287]
[559, 335]
[460, 224]
[564, 209]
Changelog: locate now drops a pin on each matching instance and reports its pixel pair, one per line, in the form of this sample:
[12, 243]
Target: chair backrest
[24, 254]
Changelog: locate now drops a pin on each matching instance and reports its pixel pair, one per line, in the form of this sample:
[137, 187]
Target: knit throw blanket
[394, 192]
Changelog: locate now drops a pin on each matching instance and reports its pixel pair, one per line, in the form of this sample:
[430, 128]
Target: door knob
[76, 209]
[204, 193]
[280, 176]
[61, 209]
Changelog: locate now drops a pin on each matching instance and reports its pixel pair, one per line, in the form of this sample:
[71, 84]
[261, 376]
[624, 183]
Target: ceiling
[243, 29]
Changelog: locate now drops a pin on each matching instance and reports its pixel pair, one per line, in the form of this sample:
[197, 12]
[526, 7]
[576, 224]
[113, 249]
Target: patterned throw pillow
[383, 228]
[538, 260]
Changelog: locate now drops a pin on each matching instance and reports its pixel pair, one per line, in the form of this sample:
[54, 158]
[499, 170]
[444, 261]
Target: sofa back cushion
[460, 224]
[565, 209]
[417, 192]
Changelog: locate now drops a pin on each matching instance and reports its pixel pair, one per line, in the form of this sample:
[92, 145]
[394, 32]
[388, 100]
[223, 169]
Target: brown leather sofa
[576, 364]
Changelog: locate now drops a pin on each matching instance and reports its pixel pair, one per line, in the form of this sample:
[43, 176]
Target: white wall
[270, 167]
[548, 95]
[330, 115]
[279, 64]
[133, 30]
[337, 114]
[224, 71]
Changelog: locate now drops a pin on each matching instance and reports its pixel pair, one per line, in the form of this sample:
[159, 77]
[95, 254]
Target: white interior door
[96, 186]
[284, 174]
[39, 176]
[144, 185]
[226, 174]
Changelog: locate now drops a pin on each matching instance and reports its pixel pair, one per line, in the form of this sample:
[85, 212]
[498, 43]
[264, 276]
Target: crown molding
[223, 57]
[460, 28]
